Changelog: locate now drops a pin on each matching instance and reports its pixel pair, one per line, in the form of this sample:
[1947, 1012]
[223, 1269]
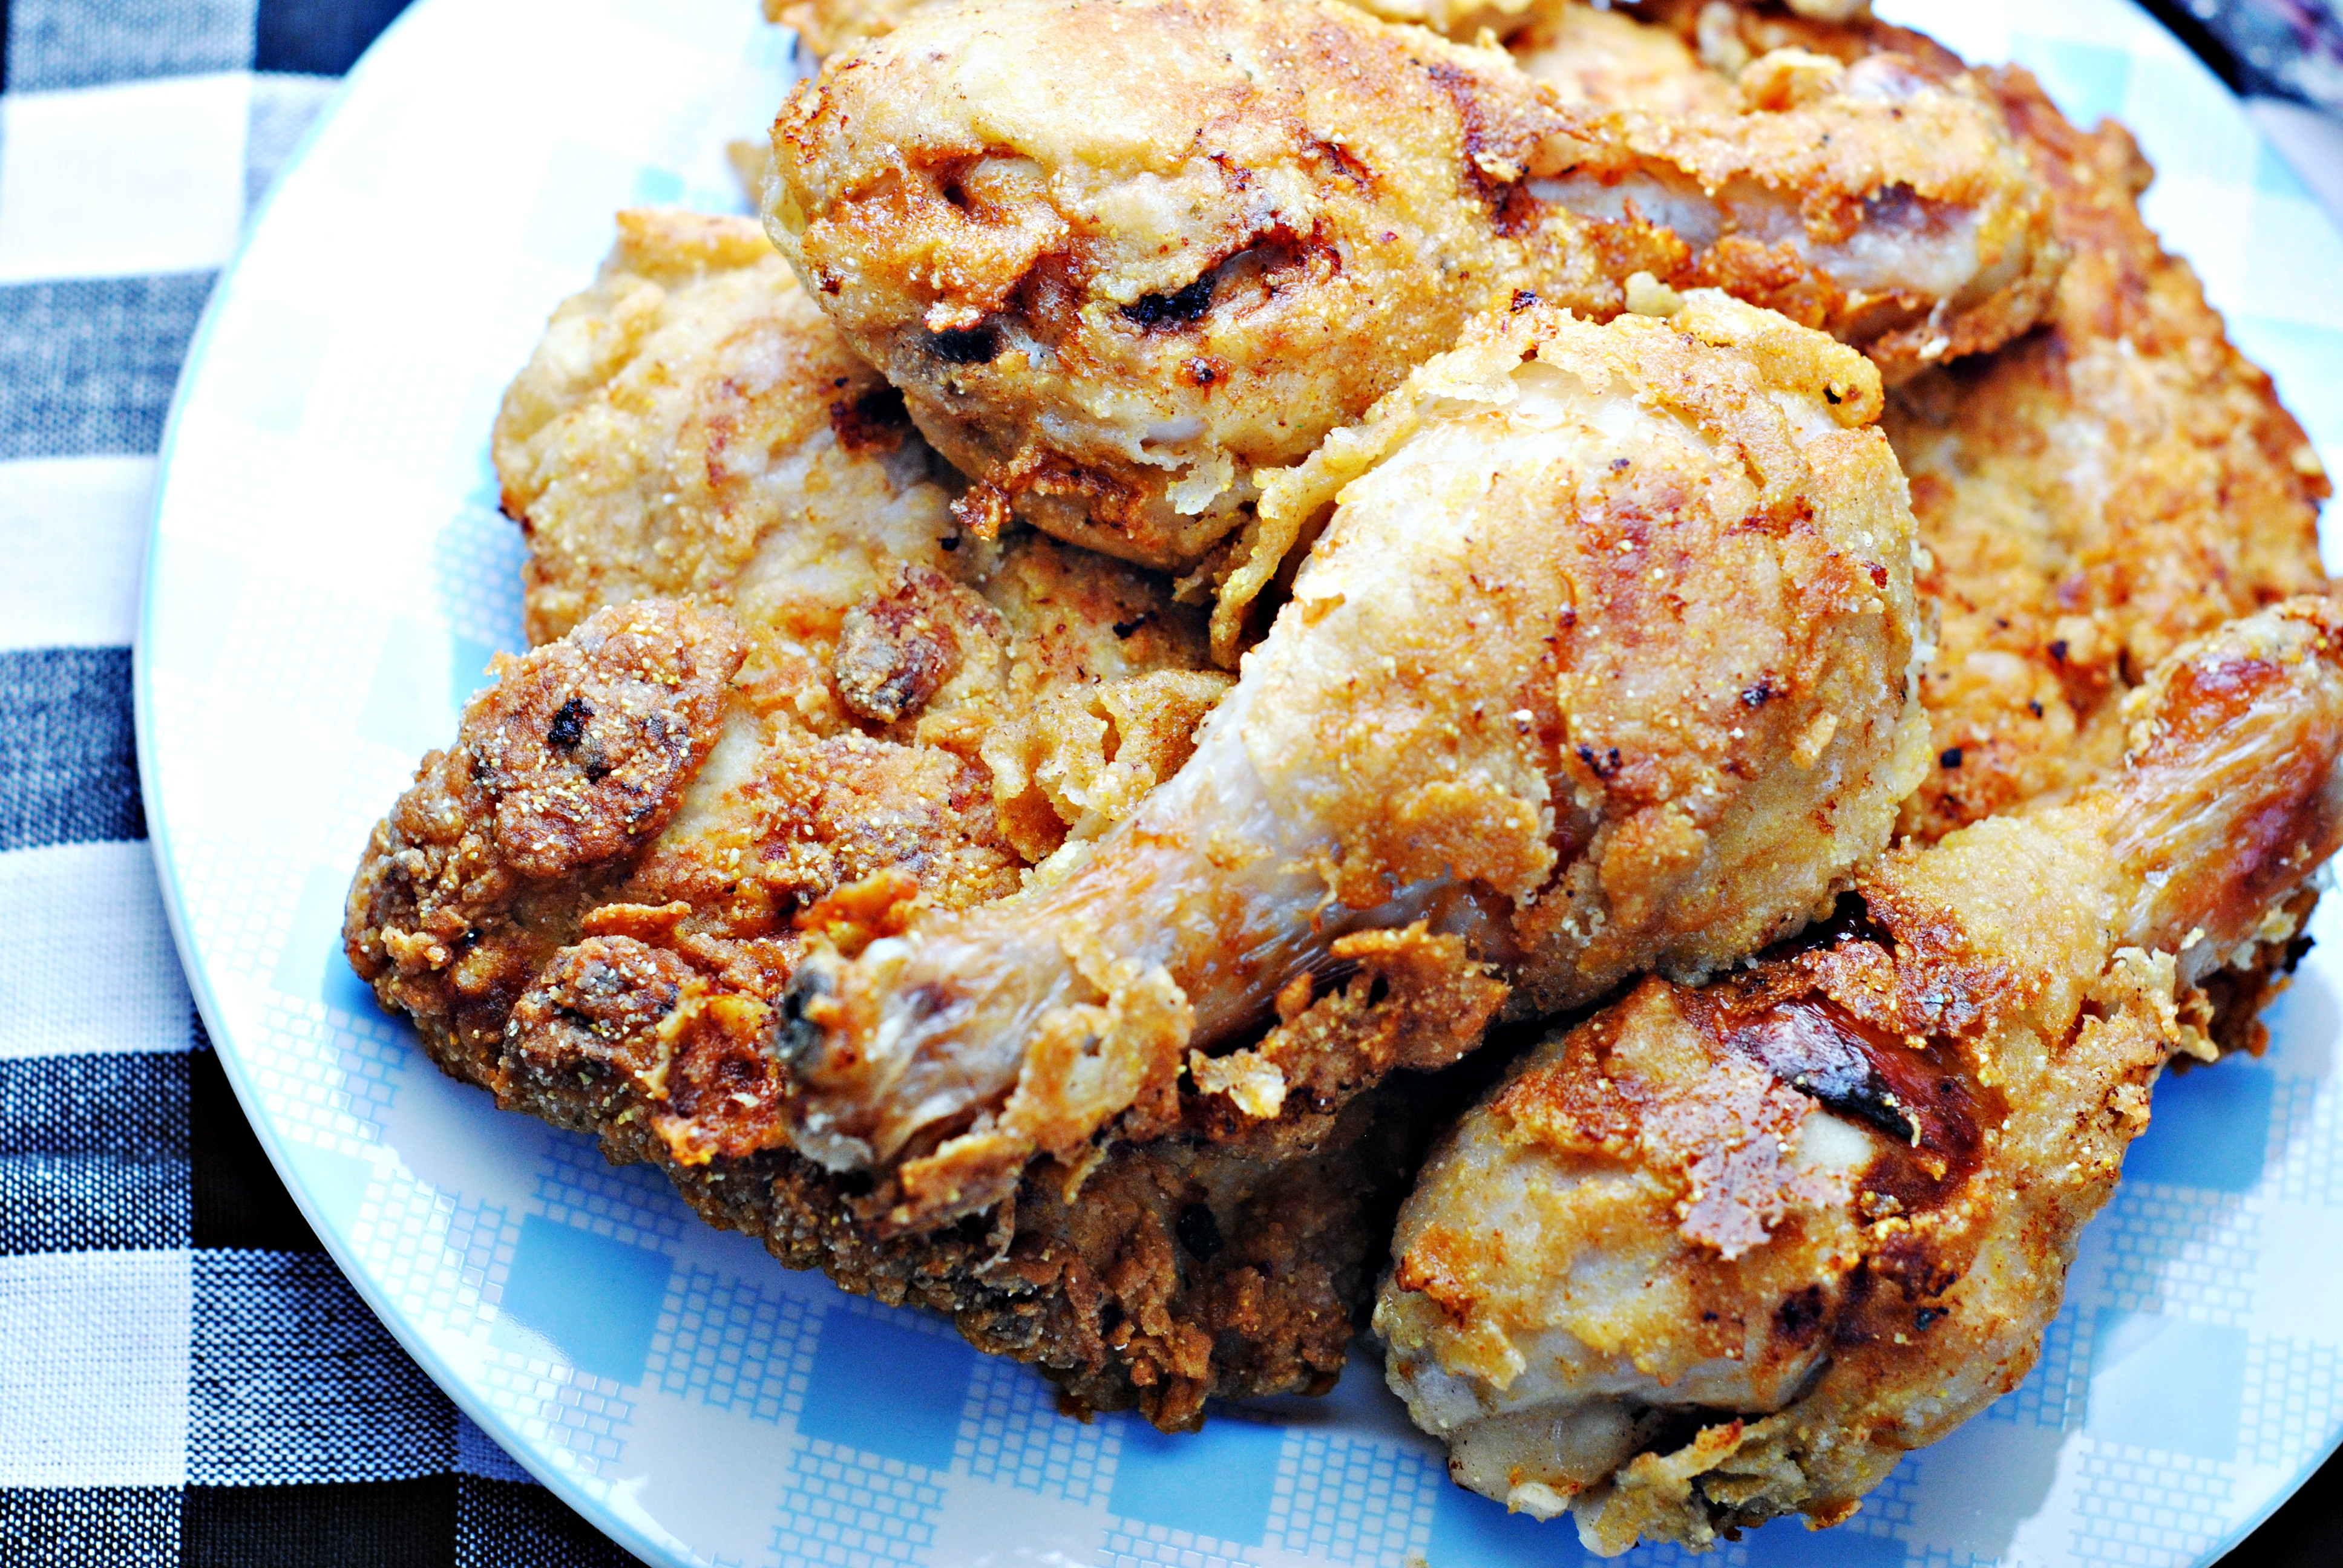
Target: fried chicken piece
[1600, 663]
[587, 903]
[692, 425]
[1725, 1253]
[2091, 496]
[1122, 256]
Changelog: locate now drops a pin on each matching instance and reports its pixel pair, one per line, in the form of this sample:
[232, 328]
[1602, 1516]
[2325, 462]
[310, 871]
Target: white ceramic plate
[329, 576]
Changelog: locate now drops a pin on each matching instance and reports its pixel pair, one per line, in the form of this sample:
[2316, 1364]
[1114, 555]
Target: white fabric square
[111, 182]
[88, 964]
[93, 1368]
[74, 531]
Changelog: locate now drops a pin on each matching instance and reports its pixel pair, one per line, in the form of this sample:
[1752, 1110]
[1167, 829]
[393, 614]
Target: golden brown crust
[1777, 1284]
[1122, 256]
[690, 423]
[566, 769]
[2092, 496]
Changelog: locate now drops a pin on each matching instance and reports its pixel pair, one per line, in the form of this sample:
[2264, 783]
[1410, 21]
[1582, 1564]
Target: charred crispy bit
[1412, 742]
[898, 647]
[1125, 256]
[1723, 1253]
[573, 761]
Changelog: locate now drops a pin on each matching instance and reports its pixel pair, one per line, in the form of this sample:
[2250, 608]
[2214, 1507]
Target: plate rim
[458, 1389]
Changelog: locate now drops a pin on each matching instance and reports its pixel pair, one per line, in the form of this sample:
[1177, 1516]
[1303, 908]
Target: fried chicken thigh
[1725, 1253]
[1123, 257]
[2091, 496]
[1600, 663]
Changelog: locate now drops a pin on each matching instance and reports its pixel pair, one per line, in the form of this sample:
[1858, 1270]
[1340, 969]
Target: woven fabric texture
[185, 1376]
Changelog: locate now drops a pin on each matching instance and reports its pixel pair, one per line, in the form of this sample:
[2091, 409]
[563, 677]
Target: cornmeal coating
[592, 903]
[1125, 256]
[2091, 496]
[1723, 1253]
[1601, 662]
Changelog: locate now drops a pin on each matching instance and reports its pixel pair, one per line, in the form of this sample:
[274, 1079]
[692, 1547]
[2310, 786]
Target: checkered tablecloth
[185, 1377]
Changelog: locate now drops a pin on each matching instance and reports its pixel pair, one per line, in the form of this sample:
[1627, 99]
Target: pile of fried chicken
[1601, 697]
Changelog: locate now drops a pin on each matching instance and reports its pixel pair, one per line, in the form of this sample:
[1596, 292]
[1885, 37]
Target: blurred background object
[2285, 59]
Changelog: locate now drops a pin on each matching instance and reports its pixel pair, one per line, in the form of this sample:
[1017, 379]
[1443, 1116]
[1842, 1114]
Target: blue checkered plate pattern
[327, 578]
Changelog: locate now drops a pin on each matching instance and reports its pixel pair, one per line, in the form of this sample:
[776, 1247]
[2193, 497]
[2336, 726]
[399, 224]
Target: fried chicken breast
[1121, 256]
[1723, 1253]
[1600, 663]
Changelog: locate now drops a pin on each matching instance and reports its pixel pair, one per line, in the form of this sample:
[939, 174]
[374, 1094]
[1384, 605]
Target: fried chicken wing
[1600, 663]
[1723, 1253]
[1122, 256]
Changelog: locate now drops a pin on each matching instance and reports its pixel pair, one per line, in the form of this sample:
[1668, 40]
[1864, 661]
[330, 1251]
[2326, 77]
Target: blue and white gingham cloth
[185, 1377]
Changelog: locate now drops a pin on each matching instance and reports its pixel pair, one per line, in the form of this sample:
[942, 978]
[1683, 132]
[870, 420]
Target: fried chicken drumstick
[1723, 1253]
[1599, 664]
[1123, 255]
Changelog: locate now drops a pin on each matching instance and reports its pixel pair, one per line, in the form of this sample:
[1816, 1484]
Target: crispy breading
[581, 923]
[580, 755]
[1721, 1254]
[1602, 661]
[1122, 256]
[691, 423]
[2091, 496]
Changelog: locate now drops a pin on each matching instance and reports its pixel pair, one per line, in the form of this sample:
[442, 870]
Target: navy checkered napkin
[185, 1376]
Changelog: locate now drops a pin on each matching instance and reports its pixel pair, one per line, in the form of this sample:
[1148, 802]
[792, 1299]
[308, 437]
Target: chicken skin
[1600, 663]
[1123, 257]
[1722, 1253]
[692, 425]
[2091, 496]
[661, 788]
